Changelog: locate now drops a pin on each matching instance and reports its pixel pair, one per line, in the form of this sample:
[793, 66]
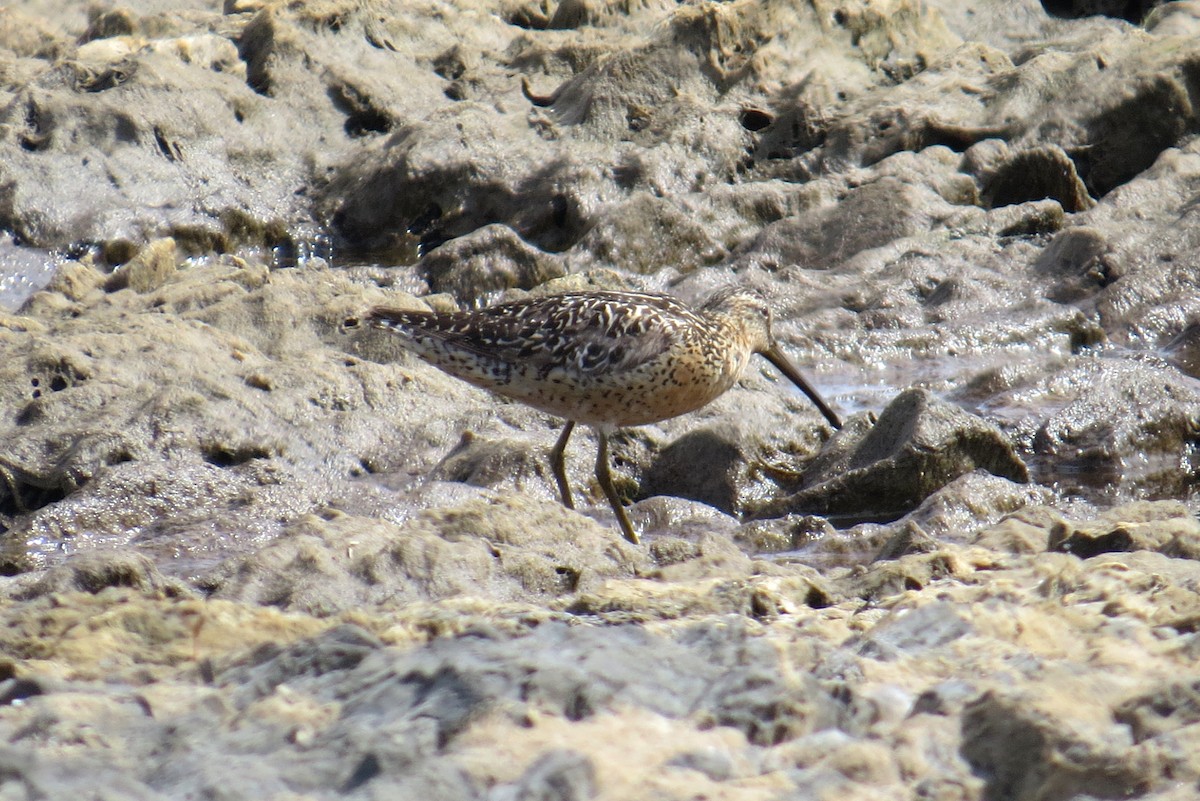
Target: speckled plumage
[608, 359]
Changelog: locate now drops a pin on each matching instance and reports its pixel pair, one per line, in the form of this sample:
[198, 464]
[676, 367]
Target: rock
[1127, 426]
[501, 548]
[787, 533]
[929, 627]
[563, 775]
[1080, 259]
[1024, 531]
[1184, 350]
[891, 576]
[124, 418]
[1163, 526]
[918, 445]
[826, 236]
[1044, 172]
[971, 501]
[498, 463]
[681, 560]
[709, 465]
[1164, 709]
[668, 236]
[146, 271]
[908, 539]
[74, 281]
[1022, 753]
[680, 518]
[486, 261]
[96, 571]
[1173, 19]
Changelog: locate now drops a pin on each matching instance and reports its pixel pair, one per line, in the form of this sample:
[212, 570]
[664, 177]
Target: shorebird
[606, 359]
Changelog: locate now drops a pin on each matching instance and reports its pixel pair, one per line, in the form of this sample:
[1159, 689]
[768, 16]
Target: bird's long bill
[775, 356]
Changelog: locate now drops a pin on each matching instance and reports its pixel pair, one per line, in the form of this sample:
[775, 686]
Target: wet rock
[787, 533]
[1128, 425]
[1162, 710]
[1032, 218]
[158, 153]
[73, 281]
[972, 501]
[547, 196]
[494, 463]
[1023, 754]
[540, 200]
[1127, 136]
[680, 560]
[707, 579]
[143, 415]
[680, 518]
[491, 259]
[563, 775]
[928, 627]
[1173, 19]
[1163, 526]
[1080, 258]
[909, 538]
[1045, 172]
[918, 445]
[1024, 531]
[709, 465]
[500, 548]
[666, 233]
[828, 235]
[910, 572]
[146, 271]
[1184, 350]
[98, 570]
[31, 35]
[373, 629]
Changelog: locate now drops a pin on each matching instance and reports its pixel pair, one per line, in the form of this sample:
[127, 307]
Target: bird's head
[746, 312]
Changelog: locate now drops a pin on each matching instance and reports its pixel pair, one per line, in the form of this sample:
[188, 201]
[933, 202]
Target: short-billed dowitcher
[607, 359]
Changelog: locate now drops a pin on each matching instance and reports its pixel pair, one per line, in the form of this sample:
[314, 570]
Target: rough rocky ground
[247, 554]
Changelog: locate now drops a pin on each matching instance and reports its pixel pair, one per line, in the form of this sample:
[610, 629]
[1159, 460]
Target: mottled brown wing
[588, 332]
[593, 333]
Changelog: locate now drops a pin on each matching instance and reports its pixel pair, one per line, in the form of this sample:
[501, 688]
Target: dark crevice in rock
[363, 117]
[1037, 174]
[169, 149]
[528, 16]
[1129, 10]
[232, 456]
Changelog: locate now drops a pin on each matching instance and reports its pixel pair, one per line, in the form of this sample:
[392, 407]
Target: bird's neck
[733, 343]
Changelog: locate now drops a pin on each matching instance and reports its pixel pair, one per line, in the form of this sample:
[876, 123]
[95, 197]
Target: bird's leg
[559, 468]
[605, 478]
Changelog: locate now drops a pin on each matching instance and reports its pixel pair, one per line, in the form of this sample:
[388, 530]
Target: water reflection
[23, 271]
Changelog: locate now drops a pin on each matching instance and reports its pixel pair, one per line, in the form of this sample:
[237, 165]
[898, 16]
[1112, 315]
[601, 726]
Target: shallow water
[23, 271]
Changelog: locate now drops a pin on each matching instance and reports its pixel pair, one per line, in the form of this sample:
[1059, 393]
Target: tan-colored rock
[148, 270]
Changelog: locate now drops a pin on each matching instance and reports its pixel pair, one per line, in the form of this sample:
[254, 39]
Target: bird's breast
[677, 382]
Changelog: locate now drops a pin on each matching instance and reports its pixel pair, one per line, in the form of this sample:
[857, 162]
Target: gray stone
[918, 445]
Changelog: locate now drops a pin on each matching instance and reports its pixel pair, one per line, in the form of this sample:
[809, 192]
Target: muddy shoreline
[246, 553]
